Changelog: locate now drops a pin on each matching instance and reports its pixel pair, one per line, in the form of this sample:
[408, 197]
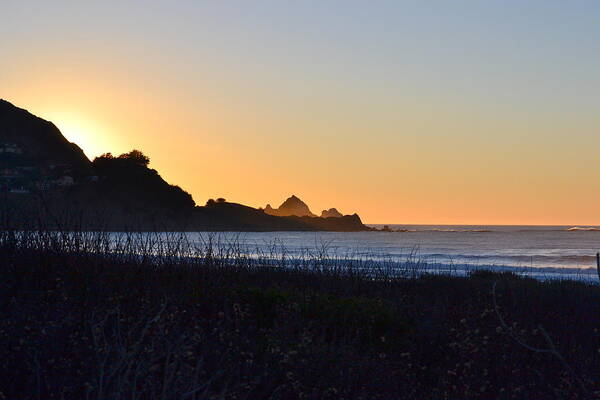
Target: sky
[437, 112]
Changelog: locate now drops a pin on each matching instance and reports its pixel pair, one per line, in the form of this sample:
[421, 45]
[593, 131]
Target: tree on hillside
[105, 156]
[133, 158]
[137, 157]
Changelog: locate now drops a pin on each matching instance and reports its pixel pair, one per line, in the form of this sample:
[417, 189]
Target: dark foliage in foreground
[77, 325]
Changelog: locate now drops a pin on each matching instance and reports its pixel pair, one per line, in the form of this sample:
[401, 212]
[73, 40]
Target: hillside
[231, 216]
[29, 139]
[45, 179]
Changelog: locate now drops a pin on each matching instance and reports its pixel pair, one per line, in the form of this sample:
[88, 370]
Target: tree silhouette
[136, 156]
[106, 156]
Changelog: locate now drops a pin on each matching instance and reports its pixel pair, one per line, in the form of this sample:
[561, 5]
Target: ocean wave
[494, 229]
[468, 230]
[544, 258]
[451, 230]
[444, 230]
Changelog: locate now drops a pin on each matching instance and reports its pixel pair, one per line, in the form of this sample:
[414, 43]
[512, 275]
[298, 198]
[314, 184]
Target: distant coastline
[480, 228]
[46, 180]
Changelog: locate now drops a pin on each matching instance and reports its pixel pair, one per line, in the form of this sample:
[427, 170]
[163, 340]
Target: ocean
[541, 251]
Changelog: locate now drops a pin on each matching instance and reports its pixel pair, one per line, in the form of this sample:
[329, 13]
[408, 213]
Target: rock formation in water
[293, 206]
[331, 213]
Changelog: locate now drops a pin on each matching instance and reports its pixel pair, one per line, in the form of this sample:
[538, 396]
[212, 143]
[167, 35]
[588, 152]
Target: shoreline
[275, 251]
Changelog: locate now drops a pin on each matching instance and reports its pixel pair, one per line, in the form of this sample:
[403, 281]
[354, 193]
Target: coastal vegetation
[105, 316]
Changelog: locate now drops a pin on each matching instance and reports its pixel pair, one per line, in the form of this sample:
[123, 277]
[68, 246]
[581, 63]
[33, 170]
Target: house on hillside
[19, 190]
[59, 166]
[10, 173]
[10, 148]
[28, 170]
[65, 180]
[43, 186]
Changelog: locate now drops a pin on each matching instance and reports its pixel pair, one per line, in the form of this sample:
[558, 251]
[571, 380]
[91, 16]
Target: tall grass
[100, 315]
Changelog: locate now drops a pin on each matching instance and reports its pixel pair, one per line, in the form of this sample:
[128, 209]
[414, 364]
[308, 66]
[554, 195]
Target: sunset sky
[461, 112]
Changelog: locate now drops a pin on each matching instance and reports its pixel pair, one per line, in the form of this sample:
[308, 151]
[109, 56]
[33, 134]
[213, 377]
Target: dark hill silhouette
[128, 180]
[228, 216]
[39, 141]
[47, 180]
[292, 206]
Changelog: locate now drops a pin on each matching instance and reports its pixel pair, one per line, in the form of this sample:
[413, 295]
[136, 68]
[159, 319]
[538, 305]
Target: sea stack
[331, 213]
[292, 206]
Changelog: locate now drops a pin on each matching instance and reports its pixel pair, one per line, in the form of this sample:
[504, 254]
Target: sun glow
[84, 132]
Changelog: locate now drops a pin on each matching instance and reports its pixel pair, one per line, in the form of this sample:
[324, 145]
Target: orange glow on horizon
[468, 165]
